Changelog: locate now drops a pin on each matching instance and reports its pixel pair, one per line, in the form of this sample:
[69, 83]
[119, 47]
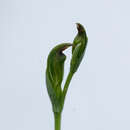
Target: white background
[99, 94]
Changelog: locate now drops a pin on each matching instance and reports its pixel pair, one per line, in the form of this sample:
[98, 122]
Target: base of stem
[57, 118]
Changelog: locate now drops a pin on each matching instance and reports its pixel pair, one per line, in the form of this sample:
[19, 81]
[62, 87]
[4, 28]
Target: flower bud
[79, 47]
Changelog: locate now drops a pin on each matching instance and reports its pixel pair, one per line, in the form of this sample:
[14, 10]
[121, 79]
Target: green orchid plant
[55, 71]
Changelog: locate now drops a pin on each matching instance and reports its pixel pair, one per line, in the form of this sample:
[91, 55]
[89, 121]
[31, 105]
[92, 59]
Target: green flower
[79, 47]
[54, 75]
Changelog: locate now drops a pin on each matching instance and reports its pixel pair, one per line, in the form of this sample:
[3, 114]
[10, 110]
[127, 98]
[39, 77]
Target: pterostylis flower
[54, 75]
[55, 71]
[79, 47]
[78, 51]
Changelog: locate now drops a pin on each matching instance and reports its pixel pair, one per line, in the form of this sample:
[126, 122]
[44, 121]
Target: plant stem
[57, 115]
[57, 118]
[69, 77]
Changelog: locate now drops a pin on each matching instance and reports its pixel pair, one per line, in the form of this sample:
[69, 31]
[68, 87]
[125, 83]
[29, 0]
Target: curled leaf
[79, 47]
[54, 75]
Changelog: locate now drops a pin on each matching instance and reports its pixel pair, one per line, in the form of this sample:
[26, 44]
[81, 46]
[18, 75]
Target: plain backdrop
[99, 94]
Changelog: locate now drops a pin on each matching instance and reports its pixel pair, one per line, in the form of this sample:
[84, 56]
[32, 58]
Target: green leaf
[79, 47]
[54, 75]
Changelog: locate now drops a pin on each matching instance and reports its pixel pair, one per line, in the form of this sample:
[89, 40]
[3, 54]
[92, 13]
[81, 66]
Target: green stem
[69, 77]
[57, 117]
